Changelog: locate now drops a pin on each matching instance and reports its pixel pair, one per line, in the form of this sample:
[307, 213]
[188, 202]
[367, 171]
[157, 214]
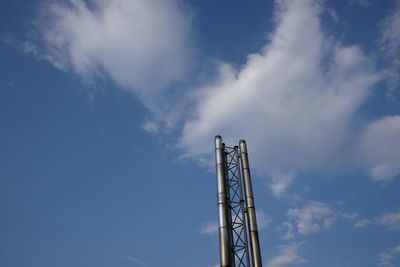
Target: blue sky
[109, 111]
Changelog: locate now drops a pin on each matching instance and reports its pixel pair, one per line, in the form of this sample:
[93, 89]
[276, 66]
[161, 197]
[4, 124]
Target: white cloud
[380, 148]
[333, 14]
[288, 256]
[151, 127]
[30, 48]
[392, 220]
[387, 258]
[361, 223]
[311, 218]
[142, 45]
[209, 228]
[295, 101]
[137, 261]
[289, 234]
[280, 183]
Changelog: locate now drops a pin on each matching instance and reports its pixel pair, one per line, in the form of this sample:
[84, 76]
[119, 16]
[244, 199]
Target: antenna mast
[237, 216]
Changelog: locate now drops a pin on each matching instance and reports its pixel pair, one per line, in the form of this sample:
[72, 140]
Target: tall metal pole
[251, 213]
[224, 237]
[242, 205]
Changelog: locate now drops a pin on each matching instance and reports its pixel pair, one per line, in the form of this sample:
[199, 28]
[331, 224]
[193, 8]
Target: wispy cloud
[361, 223]
[392, 220]
[137, 261]
[289, 234]
[209, 228]
[151, 127]
[389, 257]
[332, 13]
[312, 217]
[288, 256]
[30, 48]
[280, 183]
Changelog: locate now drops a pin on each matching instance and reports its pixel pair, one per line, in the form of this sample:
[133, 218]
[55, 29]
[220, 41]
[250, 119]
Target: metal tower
[237, 217]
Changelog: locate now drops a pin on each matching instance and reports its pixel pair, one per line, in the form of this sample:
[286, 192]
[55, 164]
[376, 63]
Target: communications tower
[237, 226]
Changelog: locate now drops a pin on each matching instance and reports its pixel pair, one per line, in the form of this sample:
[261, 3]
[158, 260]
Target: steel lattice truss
[236, 208]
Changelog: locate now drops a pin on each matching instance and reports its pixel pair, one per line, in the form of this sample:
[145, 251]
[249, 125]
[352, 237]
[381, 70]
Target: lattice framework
[236, 207]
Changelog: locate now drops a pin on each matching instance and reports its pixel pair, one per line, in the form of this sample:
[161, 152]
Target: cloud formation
[380, 148]
[392, 220]
[296, 102]
[388, 257]
[288, 256]
[142, 45]
[280, 183]
[137, 261]
[289, 234]
[311, 218]
[209, 228]
[361, 223]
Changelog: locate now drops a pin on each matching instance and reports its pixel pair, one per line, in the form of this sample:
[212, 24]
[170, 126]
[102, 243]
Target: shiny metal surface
[251, 214]
[242, 204]
[224, 237]
[238, 232]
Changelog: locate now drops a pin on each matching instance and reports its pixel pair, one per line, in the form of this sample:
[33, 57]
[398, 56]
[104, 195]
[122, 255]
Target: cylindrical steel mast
[239, 174]
[251, 213]
[224, 237]
[236, 208]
